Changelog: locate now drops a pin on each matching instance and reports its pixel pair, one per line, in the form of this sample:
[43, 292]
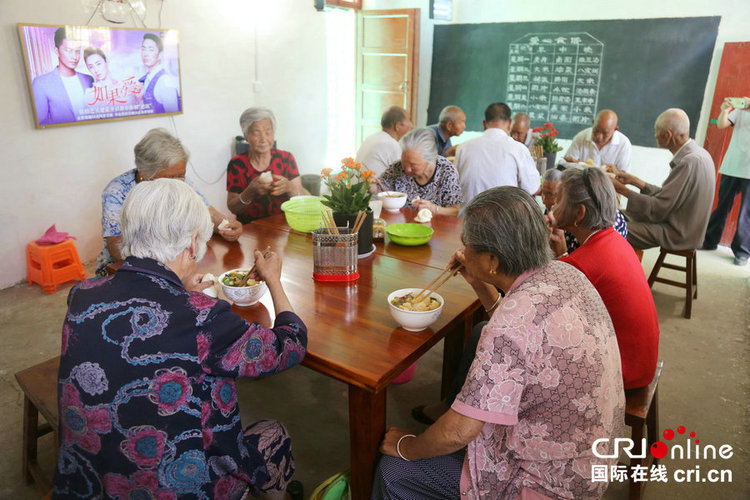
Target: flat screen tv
[85, 74]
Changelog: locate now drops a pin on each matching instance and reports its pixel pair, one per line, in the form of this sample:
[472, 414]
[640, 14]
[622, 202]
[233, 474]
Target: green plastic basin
[409, 234]
[303, 214]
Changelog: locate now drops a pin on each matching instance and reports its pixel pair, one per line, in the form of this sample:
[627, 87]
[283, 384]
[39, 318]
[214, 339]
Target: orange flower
[341, 176]
[367, 174]
[326, 172]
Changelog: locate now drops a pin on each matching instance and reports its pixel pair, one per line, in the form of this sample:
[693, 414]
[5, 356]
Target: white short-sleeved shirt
[736, 162]
[379, 151]
[495, 159]
[616, 152]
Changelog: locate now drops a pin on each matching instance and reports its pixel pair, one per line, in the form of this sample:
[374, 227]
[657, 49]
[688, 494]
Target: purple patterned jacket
[146, 388]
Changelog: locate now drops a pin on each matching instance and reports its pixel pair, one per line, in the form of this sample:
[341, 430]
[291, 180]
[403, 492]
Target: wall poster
[84, 74]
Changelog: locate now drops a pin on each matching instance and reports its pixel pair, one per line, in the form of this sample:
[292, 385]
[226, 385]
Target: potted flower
[546, 138]
[350, 193]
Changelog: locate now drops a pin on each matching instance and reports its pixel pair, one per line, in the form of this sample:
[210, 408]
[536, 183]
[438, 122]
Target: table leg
[366, 430]
[453, 347]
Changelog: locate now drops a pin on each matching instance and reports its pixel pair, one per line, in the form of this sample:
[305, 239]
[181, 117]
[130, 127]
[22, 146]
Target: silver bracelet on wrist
[398, 446]
[499, 298]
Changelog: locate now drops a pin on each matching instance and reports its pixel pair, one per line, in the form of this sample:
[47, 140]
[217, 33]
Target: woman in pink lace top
[544, 384]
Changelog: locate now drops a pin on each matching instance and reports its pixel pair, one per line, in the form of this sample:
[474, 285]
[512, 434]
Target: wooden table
[351, 334]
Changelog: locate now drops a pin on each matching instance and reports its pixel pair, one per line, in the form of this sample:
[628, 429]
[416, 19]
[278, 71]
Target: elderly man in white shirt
[381, 149]
[494, 158]
[603, 143]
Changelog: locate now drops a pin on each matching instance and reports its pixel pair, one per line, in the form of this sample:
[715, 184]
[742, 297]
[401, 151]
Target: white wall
[56, 175]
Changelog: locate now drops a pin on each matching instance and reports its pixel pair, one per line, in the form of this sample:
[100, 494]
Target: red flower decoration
[79, 425]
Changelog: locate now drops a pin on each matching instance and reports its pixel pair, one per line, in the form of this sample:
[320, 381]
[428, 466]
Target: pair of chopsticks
[446, 274]
[328, 223]
[252, 270]
[361, 216]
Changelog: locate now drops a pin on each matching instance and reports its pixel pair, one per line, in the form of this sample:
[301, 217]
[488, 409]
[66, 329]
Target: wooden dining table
[351, 334]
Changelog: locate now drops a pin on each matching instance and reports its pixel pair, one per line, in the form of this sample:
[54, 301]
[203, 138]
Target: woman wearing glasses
[159, 155]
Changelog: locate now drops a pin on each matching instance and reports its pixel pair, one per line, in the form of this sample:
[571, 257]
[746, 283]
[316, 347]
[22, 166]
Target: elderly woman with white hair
[158, 155]
[429, 181]
[585, 208]
[259, 181]
[544, 380]
[147, 398]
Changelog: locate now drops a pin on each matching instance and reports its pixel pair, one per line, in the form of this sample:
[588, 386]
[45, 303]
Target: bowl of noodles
[414, 316]
[246, 295]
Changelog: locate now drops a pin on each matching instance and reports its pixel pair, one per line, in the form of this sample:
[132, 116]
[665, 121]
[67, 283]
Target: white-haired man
[675, 214]
[381, 149]
[451, 123]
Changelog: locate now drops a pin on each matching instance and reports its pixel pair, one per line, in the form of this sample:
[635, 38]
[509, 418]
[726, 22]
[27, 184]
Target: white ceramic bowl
[414, 321]
[243, 295]
[392, 203]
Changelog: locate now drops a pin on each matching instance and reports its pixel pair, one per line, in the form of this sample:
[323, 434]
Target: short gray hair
[591, 188]
[252, 115]
[507, 223]
[159, 218]
[158, 150]
[421, 140]
[449, 114]
[675, 120]
[551, 175]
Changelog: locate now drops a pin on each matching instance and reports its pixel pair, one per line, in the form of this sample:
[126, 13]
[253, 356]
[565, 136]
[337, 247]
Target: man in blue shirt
[452, 122]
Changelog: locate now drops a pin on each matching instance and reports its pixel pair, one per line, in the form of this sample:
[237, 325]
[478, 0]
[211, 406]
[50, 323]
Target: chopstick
[252, 270]
[450, 270]
[330, 224]
[361, 216]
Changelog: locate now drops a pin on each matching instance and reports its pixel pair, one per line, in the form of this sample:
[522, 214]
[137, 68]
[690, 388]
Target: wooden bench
[691, 275]
[642, 410]
[39, 386]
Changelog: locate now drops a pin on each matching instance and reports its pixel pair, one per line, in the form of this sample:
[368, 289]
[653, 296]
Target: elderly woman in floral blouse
[429, 181]
[147, 399]
[544, 384]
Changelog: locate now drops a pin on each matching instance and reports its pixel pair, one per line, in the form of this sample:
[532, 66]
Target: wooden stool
[642, 409]
[691, 275]
[50, 265]
[39, 386]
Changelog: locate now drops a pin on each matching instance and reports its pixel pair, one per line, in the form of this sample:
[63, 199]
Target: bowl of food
[246, 295]
[303, 213]
[392, 200]
[414, 316]
[409, 234]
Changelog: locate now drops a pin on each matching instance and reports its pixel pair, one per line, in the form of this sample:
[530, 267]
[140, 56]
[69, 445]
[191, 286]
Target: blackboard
[637, 67]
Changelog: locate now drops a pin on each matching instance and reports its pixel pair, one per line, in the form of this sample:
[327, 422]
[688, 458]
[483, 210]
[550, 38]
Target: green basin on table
[303, 213]
[409, 234]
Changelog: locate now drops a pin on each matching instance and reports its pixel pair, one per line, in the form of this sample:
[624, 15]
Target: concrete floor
[704, 386]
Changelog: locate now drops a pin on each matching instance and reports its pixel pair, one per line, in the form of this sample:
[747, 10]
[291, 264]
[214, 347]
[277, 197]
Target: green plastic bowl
[303, 214]
[409, 234]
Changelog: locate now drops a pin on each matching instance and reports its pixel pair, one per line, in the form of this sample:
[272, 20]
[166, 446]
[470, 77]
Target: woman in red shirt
[586, 207]
[251, 192]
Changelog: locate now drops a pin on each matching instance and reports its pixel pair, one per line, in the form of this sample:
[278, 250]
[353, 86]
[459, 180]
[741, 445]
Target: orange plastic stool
[50, 265]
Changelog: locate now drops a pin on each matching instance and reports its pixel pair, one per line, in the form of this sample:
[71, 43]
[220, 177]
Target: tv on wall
[84, 74]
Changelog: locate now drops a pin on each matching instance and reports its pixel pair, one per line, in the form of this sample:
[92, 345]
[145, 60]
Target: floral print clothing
[547, 381]
[147, 399]
[443, 189]
[240, 173]
[113, 197]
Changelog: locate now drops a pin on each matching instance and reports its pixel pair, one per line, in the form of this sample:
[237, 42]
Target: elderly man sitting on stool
[675, 215]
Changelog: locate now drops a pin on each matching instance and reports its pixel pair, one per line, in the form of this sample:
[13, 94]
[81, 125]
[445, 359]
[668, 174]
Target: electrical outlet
[257, 87]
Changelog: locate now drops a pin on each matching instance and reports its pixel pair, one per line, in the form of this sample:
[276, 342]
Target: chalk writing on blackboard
[555, 76]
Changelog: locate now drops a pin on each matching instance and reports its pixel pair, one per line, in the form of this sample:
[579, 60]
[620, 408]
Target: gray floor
[704, 386]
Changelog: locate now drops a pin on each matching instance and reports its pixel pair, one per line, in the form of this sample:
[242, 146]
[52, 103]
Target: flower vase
[551, 157]
[364, 240]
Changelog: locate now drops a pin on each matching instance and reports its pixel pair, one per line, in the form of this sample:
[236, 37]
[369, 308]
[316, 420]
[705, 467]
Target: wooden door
[387, 66]
[733, 81]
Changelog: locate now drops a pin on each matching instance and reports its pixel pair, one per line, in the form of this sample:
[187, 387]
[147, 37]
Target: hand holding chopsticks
[251, 272]
[450, 271]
